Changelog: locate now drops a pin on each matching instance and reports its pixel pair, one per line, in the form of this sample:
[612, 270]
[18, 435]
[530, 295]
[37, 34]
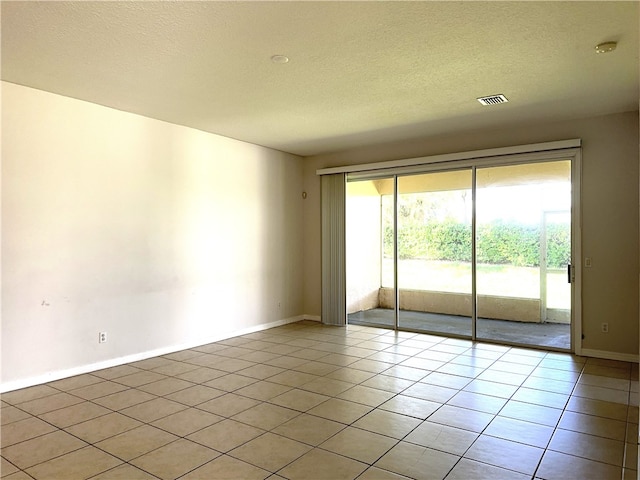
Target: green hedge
[498, 243]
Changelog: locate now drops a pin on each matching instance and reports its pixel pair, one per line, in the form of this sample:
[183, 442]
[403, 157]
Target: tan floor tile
[266, 416]
[632, 433]
[23, 430]
[49, 403]
[531, 413]
[299, 400]
[230, 382]
[468, 371]
[417, 462]
[350, 375]
[124, 399]
[201, 375]
[628, 474]
[375, 473]
[233, 365]
[512, 455]
[422, 363]
[19, 475]
[228, 405]
[518, 431]
[615, 411]
[446, 380]
[322, 465]
[83, 463]
[317, 368]
[6, 467]
[359, 444]
[467, 469]
[442, 437]
[327, 386]
[139, 378]
[195, 395]
[373, 366]
[339, 410]
[175, 368]
[477, 401]
[227, 468]
[406, 373]
[388, 383]
[605, 371]
[225, 435]
[261, 371]
[540, 397]
[461, 418]
[270, 451]
[40, 449]
[510, 367]
[292, 378]
[599, 426]
[187, 421]
[65, 417]
[309, 429]
[165, 386]
[387, 423]
[116, 372]
[153, 409]
[555, 374]
[151, 363]
[601, 393]
[414, 407]
[548, 385]
[591, 447]
[97, 390]
[433, 393]
[606, 382]
[632, 415]
[182, 355]
[78, 381]
[631, 456]
[262, 390]
[101, 428]
[9, 414]
[492, 389]
[366, 395]
[473, 361]
[560, 466]
[175, 459]
[286, 361]
[260, 357]
[136, 442]
[27, 394]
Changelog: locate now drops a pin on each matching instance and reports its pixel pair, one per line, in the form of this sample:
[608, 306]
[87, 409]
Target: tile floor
[306, 401]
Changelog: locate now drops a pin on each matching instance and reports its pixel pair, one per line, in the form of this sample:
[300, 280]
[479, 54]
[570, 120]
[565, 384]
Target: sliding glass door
[434, 252]
[523, 249]
[481, 252]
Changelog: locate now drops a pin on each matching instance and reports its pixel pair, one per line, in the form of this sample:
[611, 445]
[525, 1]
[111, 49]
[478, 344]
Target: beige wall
[159, 235]
[609, 212]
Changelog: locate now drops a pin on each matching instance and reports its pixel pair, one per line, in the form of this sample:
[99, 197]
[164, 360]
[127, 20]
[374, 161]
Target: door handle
[569, 273]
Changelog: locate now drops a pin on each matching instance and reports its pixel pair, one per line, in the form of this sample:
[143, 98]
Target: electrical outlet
[102, 337]
[604, 327]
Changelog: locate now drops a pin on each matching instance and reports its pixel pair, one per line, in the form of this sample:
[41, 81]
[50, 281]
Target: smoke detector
[493, 100]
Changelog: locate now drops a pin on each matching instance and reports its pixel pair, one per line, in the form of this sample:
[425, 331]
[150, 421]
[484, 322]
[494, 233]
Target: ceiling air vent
[493, 100]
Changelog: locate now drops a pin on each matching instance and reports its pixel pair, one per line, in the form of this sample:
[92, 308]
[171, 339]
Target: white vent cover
[493, 99]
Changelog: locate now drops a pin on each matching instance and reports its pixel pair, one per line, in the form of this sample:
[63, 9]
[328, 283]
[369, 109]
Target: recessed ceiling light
[279, 59]
[493, 99]
[606, 47]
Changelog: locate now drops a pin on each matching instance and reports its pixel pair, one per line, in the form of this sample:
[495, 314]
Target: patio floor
[555, 335]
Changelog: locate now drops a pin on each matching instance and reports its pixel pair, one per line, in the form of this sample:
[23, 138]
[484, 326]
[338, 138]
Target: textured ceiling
[360, 73]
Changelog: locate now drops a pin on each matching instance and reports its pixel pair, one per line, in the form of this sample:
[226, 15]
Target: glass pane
[515, 224]
[369, 252]
[434, 252]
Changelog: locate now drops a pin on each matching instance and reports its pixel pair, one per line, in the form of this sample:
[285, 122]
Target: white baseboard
[624, 357]
[315, 318]
[114, 362]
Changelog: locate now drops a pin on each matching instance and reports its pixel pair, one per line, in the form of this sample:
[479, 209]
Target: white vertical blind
[334, 288]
